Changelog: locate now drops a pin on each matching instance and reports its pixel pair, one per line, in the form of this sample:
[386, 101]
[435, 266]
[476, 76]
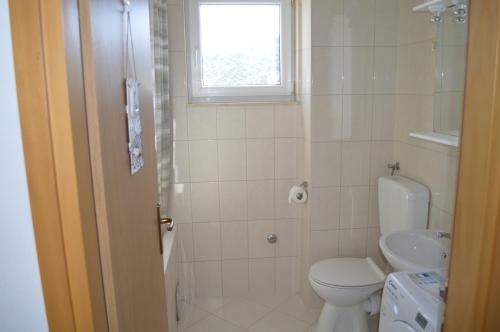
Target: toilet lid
[347, 272]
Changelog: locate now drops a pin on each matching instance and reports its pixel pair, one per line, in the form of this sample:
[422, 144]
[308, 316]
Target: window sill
[285, 102]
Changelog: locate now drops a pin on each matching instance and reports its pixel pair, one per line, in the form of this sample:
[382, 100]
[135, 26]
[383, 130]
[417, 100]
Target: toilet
[350, 286]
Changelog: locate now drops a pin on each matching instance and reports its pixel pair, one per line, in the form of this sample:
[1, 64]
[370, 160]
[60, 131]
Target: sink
[415, 249]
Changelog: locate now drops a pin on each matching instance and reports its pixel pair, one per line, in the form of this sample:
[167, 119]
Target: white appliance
[411, 302]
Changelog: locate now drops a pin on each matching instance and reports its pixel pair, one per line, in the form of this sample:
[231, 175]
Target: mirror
[450, 50]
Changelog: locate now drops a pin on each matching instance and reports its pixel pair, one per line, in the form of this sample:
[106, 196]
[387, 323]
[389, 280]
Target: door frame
[474, 276]
[51, 97]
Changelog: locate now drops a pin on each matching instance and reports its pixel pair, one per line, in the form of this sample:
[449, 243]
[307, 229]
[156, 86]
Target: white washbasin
[415, 249]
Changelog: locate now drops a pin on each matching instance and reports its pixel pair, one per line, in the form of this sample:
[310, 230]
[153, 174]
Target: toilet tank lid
[347, 272]
[411, 187]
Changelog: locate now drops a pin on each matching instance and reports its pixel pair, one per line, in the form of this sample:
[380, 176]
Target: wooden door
[474, 278]
[95, 224]
[125, 204]
[49, 80]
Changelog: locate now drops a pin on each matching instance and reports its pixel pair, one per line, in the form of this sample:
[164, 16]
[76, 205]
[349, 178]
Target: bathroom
[233, 165]
[306, 155]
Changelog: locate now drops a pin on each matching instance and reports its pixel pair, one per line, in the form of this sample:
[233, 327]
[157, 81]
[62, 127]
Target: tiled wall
[354, 61]
[233, 168]
[432, 164]
[350, 100]
[366, 80]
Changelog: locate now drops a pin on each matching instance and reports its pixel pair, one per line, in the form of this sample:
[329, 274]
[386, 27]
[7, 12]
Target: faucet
[444, 235]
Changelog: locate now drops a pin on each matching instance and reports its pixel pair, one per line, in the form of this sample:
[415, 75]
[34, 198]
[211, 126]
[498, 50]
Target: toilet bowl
[346, 285]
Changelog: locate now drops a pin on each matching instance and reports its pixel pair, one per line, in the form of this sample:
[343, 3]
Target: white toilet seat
[346, 273]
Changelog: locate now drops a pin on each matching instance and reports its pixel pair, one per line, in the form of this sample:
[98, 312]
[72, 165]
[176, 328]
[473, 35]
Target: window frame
[283, 92]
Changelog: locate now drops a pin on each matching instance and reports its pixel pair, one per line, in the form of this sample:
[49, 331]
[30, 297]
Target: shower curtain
[162, 111]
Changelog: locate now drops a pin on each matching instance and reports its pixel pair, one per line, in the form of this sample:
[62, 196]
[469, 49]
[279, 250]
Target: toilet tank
[403, 204]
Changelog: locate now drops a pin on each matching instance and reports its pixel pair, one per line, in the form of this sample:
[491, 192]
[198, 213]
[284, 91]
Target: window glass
[240, 45]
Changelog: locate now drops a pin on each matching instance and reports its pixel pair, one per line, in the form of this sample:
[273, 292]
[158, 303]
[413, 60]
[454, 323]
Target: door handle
[163, 221]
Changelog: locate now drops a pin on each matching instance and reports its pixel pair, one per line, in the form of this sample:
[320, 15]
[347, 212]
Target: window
[240, 50]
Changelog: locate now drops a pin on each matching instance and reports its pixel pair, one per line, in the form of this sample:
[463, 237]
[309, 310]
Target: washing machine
[412, 302]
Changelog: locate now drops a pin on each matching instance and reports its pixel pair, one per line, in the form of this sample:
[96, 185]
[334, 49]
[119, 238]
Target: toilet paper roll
[297, 195]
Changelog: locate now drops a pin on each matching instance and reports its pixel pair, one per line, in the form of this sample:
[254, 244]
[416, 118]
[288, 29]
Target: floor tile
[295, 307]
[213, 324]
[242, 313]
[279, 322]
[270, 300]
[189, 315]
[210, 304]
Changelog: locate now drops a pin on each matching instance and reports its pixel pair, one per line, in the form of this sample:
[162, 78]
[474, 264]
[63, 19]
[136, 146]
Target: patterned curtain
[163, 117]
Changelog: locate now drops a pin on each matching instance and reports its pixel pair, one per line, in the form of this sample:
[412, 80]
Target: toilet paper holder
[298, 194]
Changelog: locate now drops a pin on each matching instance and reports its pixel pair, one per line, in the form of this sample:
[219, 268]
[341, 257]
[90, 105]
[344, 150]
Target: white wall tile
[352, 242]
[175, 28]
[413, 28]
[179, 206]
[232, 159]
[354, 207]
[373, 220]
[180, 163]
[179, 118]
[283, 209]
[359, 22]
[286, 275]
[185, 242]
[385, 67]
[355, 163]
[207, 241]
[324, 244]
[285, 120]
[326, 118]
[327, 23]
[325, 208]
[234, 240]
[286, 158]
[233, 200]
[262, 278]
[234, 278]
[327, 70]
[384, 109]
[258, 245]
[205, 201]
[416, 63]
[260, 199]
[286, 230]
[381, 154]
[260, 121]
[386, 22]
[358, 70]
[178, 74]
[260, 159]
[203, 161]
[439, 219]
[357, 117]
[325, 164]
[202, 122]
[230, 122]
[208, 279]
